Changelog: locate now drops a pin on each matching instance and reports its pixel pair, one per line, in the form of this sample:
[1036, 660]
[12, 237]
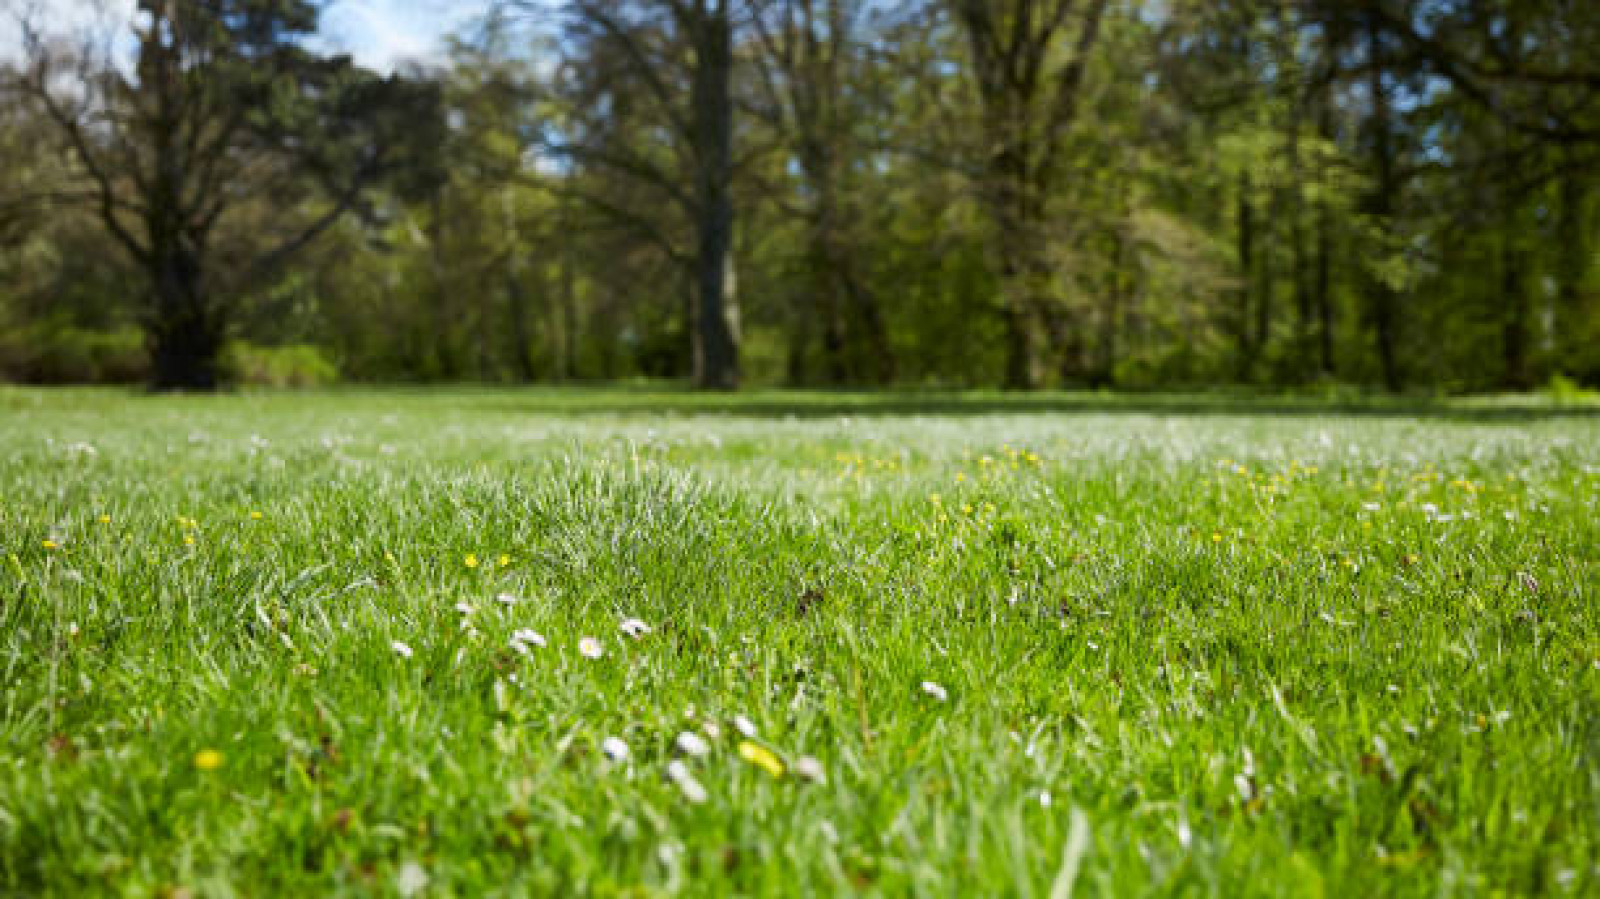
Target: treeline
[1389, 193]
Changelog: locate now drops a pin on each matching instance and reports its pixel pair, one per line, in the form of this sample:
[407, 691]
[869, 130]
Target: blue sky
[384, 33]
[378, 33]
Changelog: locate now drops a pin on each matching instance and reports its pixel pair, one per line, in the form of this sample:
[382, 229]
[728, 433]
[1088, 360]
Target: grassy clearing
[1226, 652]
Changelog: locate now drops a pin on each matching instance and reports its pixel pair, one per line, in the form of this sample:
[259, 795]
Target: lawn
[921, 644]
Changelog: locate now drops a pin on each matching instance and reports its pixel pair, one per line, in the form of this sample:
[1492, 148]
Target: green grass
[1189, 645]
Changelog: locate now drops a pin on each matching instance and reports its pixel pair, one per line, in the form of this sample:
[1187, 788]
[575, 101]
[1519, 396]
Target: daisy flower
[615, 749]
[403, 650]
[934, 690]
[680, 774]
[590, 648]
[689, 743]
[634, 628]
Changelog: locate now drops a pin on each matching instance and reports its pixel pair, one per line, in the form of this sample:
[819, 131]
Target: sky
[380, 34]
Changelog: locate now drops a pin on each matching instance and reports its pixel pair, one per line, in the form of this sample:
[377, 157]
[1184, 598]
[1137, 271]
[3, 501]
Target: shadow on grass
[832, 404]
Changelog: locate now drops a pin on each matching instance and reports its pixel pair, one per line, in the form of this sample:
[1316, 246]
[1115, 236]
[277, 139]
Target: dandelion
[104, 519]
[503, 561]
[615, 749]
[472, 560]
[255, 516]
[692, 789]
[208, 760]
[188, 539]
[634, 628]
[809, 768]
[51, 544]
[401, 649]
[934, 690]
[761, 757]
[590, 648]
[690, 744]
[744, 726]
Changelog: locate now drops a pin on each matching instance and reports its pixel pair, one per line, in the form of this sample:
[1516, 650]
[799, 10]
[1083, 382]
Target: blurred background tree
[1396, 194]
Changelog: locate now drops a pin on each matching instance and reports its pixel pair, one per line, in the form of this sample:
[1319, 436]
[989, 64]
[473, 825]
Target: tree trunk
[1246, 238]
[712, 100]
[184, 336]
[1381, 203]
[1514, 330]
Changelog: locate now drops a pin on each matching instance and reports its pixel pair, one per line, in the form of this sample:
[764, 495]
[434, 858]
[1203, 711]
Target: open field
[253, 645]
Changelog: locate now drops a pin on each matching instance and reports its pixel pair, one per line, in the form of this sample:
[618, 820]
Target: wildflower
[51, 544]
[1372, 507]
[1044, 799]
[934, 690]
[809, 768]
[615, 749]
[689, 743]
[507, 599]
[208, 760]
[104, 519]
[590, 648]
[411, 880]
[464, 608]
[255, 516]
[527, 637]
[634, 628]
[403, 650]
[711, 729]
[761, 757]
[188, 539]
[472, 560]
[744, 726]
[680, 774]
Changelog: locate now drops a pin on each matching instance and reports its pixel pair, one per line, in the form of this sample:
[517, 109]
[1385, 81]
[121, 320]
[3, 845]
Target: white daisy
[808, 768]
[744, 726]
[615, 749]
[507, 599]
[590, 648]
[934, 690]
[634, 628]
[680, 774]
[689, 743]
[402, 649]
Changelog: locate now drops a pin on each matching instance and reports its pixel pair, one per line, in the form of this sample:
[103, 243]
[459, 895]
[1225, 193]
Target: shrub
[294, 365]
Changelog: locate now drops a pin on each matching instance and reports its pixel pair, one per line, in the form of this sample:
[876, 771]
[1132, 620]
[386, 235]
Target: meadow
[480, 642]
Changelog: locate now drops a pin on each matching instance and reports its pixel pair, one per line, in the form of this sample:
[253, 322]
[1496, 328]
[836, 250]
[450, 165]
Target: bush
[47, 353]
[294, 365]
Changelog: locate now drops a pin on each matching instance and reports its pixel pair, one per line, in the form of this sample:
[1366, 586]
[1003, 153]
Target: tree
[680, 54]
[1028, 82]
[226, 123]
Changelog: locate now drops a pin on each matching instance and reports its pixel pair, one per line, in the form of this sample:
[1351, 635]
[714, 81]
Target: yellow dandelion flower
[208, 760]
[504, 560]
[761, 757]
[188, 539]
[1216, 536]
[472, 560]
[104, 519]
[51, 544]
[255, 516]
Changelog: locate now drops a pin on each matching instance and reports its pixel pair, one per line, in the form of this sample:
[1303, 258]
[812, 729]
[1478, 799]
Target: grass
[1184, 646]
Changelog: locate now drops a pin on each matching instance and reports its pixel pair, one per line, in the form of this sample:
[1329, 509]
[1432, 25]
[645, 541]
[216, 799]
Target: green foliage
[298, 365]
[54, 353]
